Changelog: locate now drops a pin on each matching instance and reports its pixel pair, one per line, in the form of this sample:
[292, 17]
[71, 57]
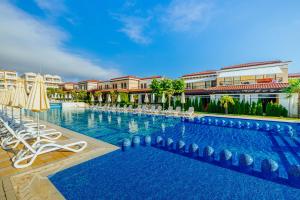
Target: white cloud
[134, 28]
[29, 44]
[54, 7]
[186, 15]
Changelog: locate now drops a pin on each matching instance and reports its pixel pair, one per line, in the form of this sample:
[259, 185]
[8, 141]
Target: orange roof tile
[294, 75]
[252, 64]
[150, 77]
[201, 73]
[250, 87]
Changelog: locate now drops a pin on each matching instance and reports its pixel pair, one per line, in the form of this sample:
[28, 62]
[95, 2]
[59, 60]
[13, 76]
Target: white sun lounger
[29, 153]
[10, 142]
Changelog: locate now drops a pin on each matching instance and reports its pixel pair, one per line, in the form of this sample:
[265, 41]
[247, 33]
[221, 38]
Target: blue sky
[104, 39]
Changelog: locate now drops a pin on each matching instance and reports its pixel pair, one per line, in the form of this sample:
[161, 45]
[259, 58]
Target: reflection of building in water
[119, 120]
[109, 118]
[163, 127]
[153, 119]
[133, 126]
[100, 118]
[68, 115]
[146, 125]
[91, 120]
[182, 130]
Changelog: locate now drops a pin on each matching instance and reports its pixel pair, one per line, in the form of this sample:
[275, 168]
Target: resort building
[127, 83]
[8, 79]
[254, 73]
[294, 76]
[250, 82]
[69, 86]
[51, 81]
[200, 80]
[88, 85]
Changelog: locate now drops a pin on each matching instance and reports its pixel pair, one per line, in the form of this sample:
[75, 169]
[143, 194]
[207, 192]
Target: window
[237, 80]
[142, 85]
[145, 85]
[188, 86]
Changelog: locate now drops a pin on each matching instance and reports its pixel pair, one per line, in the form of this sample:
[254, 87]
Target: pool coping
[34, 183]
[250, 118]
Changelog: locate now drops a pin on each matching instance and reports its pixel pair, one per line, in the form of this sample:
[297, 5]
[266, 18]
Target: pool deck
[32, 182]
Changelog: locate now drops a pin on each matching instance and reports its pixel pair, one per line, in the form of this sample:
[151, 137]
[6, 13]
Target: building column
[291, 103]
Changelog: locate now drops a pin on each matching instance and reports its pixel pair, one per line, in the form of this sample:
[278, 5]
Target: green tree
[259, 109]
[253, 108]
[167, 86]
[113, 96]
[156, 87]
[294, 88]
[178, 86]
[168, 89]
[225, 101]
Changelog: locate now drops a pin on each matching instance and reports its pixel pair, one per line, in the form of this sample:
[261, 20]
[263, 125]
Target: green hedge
[245, 108]
[275, 109]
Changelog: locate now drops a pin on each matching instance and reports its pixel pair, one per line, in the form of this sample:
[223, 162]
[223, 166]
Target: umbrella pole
[38, 126]
[20, 115]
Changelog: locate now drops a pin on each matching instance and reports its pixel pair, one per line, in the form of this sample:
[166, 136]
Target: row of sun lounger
[24, 139]
[146, 109]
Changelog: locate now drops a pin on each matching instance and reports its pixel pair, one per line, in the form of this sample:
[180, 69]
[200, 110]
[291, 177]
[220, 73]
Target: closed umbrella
[182, 99]
[146, 100]
[10, 96]
[100, 98]
[20, 97]
[119, 98]
[153, 98]
[108, 98]
[131, 98]
[92, 99]
[38, 100]
[163, 99]
[3, 98]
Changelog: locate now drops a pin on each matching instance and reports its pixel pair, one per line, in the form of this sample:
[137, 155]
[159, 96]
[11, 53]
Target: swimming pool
[149, 173]
[260, 139]
[113, 127]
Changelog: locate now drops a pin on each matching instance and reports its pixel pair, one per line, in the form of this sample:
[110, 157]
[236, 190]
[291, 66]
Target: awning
[200, 80]
[251, 72]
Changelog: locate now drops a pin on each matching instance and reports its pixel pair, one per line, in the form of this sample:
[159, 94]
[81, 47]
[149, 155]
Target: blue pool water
[149, 173]
[114, 127]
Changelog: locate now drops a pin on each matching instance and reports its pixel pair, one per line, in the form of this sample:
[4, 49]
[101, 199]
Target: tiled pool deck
[32, 182]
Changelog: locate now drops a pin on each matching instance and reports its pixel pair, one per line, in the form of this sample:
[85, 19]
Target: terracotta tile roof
[150, 77]
[252, 64]
[294, 75]
[69, 83]
[250, 87]
[124, 77]
[96, 81]
[201, 73]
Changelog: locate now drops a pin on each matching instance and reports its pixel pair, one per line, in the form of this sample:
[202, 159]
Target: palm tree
[294, 88]
[225, 101]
